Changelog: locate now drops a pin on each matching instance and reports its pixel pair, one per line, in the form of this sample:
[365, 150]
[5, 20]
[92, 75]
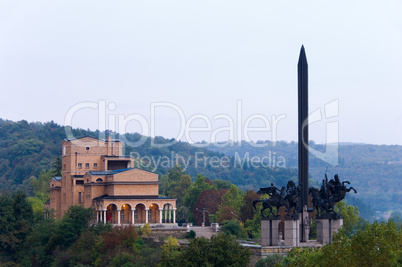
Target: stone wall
[158, 233]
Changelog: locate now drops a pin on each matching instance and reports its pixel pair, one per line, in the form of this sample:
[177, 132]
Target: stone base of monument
[291, 231]
[327, 225]
[270, 231]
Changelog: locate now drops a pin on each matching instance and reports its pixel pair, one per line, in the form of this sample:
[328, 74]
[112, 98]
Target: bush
[234, 228]
[191, 234]
[271, 260]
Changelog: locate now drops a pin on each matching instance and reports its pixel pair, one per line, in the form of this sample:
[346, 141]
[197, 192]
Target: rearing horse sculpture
[275, 200]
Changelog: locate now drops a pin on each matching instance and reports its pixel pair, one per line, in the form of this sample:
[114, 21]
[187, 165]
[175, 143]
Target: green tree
[396, 217]
[229, 208]
[69, 228]
[351, 218]
[7, 222]
[220, 250]
[57, 166]
[175, 184]
[16, 217]
[179, 191]
[194, 193]
[270, 260]
[234, 228]
[171, 256]
[221, 184]
[377, 245]
[36, 251]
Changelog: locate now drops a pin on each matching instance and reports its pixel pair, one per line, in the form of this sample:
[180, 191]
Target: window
[95, 165]
[79, 165]
[79, 181]
[86, 165]
[79, 197]
[135, 215]
[149, 215]
[99, 180]
[122, 215]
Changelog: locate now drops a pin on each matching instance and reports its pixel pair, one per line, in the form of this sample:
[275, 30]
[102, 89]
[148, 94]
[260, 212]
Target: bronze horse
[275, 200]
[286, 197]
[330, 193]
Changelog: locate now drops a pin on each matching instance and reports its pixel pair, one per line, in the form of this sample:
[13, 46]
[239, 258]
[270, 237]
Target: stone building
[96, 174]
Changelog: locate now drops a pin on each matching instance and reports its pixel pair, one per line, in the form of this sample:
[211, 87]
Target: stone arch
[139, 215]
[168, 203]
[111, 213]
[125, 214]
[167, 213]
[153, 213]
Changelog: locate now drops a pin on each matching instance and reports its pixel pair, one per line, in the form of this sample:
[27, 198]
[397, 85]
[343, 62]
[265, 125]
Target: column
[160, 215]
[97, 216]
[146, 215]
[104, 216]
[174, 215]
[132, 216]
[166, 216]
[118, 216]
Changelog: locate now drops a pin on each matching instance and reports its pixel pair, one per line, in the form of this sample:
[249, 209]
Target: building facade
[96, 174]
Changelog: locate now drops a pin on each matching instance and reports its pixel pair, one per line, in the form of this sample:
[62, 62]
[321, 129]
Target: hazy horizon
[214, 65]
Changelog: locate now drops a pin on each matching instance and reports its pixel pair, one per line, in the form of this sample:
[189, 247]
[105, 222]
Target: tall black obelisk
[302, 72]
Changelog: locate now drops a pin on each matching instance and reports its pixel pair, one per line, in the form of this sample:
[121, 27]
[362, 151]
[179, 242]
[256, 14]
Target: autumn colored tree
[210, 200]
[247, 210]
[200, 184]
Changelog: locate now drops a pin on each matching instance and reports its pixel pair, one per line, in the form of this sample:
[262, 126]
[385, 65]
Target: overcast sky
[225, 60]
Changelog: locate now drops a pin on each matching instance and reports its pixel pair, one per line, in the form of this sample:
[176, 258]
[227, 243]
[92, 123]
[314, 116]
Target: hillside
[374, 170]
[27, 148]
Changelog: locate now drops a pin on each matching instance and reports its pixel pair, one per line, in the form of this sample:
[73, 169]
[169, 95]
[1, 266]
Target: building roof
[109, 172]
[104, 197]
[87, 136]
[57, 178]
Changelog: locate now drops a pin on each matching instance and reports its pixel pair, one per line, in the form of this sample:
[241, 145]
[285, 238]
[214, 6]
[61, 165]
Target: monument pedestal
[269, 231]
[291, 232]
[326, 226]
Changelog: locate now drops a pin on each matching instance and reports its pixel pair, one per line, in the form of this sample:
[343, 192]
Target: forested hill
[374, 170]
[27, 148]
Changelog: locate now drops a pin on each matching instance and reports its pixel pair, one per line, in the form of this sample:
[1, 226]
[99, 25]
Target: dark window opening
[117, 164]
[95, 165]
[86, 165]
[79, 197]
[99, 180]
[79, 182]
[79, 165]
